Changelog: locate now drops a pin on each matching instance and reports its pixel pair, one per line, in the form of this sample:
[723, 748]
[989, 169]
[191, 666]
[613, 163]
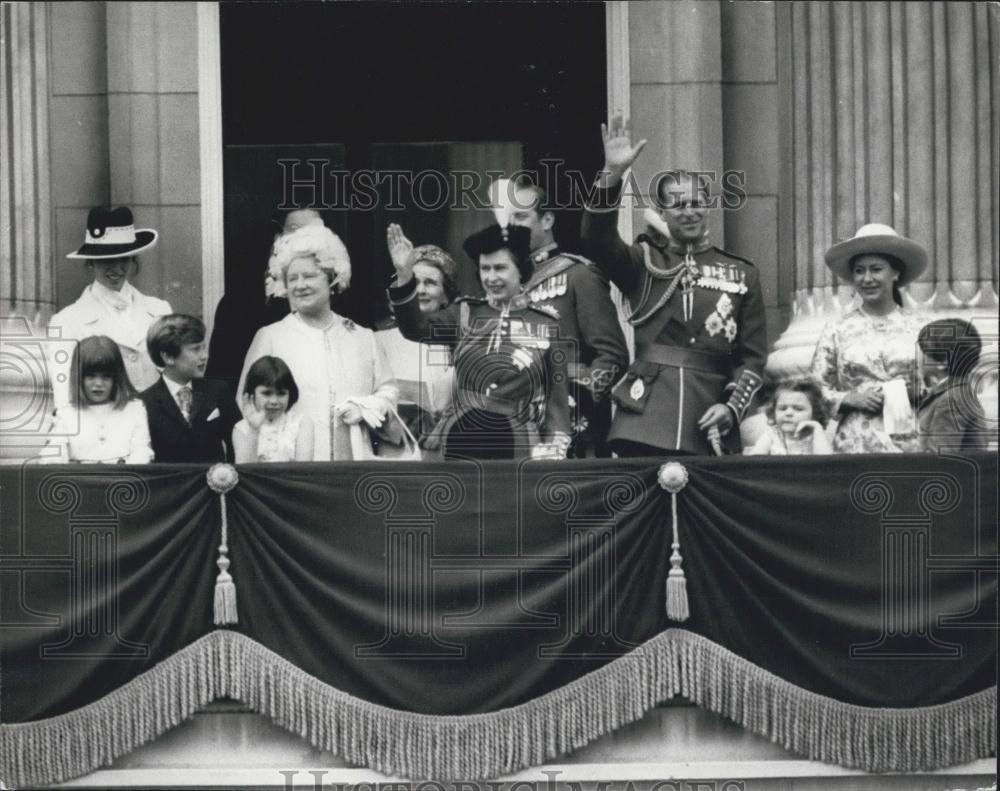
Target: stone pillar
[26, 283]
[673, 97]
[675, 70]
[27, 288]
[751, 113]
[153, 112]
[78, 134]
[894, 119]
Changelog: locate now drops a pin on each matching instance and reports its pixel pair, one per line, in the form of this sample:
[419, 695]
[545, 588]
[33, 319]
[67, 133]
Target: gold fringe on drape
[675, 662]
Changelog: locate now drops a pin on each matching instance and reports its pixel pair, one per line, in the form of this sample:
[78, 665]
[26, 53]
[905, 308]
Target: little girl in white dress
[104, 422]
[271, 430]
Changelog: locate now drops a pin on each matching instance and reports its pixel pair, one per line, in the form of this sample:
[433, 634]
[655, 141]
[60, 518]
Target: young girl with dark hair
[270, 431]
[797, 418]
[104, 422]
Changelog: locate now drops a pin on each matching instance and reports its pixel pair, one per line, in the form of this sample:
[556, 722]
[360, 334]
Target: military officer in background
[697, 310]
[574, 292]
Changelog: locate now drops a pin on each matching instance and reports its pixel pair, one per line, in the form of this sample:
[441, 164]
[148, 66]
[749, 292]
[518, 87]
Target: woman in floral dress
[866, 361]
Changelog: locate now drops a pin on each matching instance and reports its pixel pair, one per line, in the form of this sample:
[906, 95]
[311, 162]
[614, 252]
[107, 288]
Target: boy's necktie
[184, 397]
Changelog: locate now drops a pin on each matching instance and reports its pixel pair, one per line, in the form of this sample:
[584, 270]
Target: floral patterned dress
[862, 352]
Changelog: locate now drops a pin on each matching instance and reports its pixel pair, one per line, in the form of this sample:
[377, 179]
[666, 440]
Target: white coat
[89, 316]
[329, 366]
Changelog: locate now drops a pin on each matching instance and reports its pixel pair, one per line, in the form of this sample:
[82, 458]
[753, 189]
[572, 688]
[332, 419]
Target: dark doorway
[401, 86]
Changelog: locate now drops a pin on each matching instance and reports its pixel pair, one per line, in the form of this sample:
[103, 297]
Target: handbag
[362, 448]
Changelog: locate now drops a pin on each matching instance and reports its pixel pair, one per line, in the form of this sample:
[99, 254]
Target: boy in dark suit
[191, 418]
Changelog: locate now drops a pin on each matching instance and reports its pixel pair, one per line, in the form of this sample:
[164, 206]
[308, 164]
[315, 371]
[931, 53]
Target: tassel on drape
[227, 664]
[221, 479]
[673, 477]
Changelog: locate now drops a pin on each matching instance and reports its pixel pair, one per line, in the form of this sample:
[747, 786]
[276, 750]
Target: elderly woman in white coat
[110, 305]
[341, 371]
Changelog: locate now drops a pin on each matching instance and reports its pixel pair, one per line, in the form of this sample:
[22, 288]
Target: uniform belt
[677, 357]
[469, 399]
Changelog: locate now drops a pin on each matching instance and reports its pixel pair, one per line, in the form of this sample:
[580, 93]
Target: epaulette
[547, 310]
[577, 258]
[739, 258]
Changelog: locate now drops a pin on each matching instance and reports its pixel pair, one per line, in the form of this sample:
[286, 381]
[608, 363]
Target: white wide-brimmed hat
[878, 239]
[112, 234]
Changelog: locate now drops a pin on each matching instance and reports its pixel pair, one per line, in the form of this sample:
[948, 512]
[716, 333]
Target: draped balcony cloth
[457, 620]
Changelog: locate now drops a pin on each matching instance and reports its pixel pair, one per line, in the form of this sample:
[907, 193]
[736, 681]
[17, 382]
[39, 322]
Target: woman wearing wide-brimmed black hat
[111, 305]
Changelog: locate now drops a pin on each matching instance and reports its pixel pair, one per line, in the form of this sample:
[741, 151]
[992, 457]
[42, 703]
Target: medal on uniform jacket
[722, 278]
[638, 390]
[721, 319]
[553, 287]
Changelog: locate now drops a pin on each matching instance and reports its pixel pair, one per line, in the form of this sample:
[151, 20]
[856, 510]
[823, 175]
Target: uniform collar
[516, 302]
[682, 249]
[544, 253]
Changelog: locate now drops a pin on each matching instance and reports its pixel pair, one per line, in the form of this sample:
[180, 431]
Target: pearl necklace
[324, 328]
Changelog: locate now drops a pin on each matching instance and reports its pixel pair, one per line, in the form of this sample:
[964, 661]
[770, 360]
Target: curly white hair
[313, 239]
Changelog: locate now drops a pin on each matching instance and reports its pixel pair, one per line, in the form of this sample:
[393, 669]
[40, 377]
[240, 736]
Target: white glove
[354, 410]
[348, 412]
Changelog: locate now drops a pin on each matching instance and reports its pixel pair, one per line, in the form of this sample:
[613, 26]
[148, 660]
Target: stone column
[894, 119]
[27, 289]
[673, 97]
[675, 70]
[26, 283]
[153, 112]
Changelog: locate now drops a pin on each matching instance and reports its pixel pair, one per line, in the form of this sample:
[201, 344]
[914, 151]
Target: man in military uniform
[697, 310]
[572, 290]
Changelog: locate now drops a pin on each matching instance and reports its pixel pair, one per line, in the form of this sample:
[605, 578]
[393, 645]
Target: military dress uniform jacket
[574, 292]
[504, 361]
[683, 365]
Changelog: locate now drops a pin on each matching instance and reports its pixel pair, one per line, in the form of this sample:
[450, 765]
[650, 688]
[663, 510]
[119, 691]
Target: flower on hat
[435, 256]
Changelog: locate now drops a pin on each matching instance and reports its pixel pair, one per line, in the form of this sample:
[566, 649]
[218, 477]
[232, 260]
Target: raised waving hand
[619, 153]
[401, 252]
